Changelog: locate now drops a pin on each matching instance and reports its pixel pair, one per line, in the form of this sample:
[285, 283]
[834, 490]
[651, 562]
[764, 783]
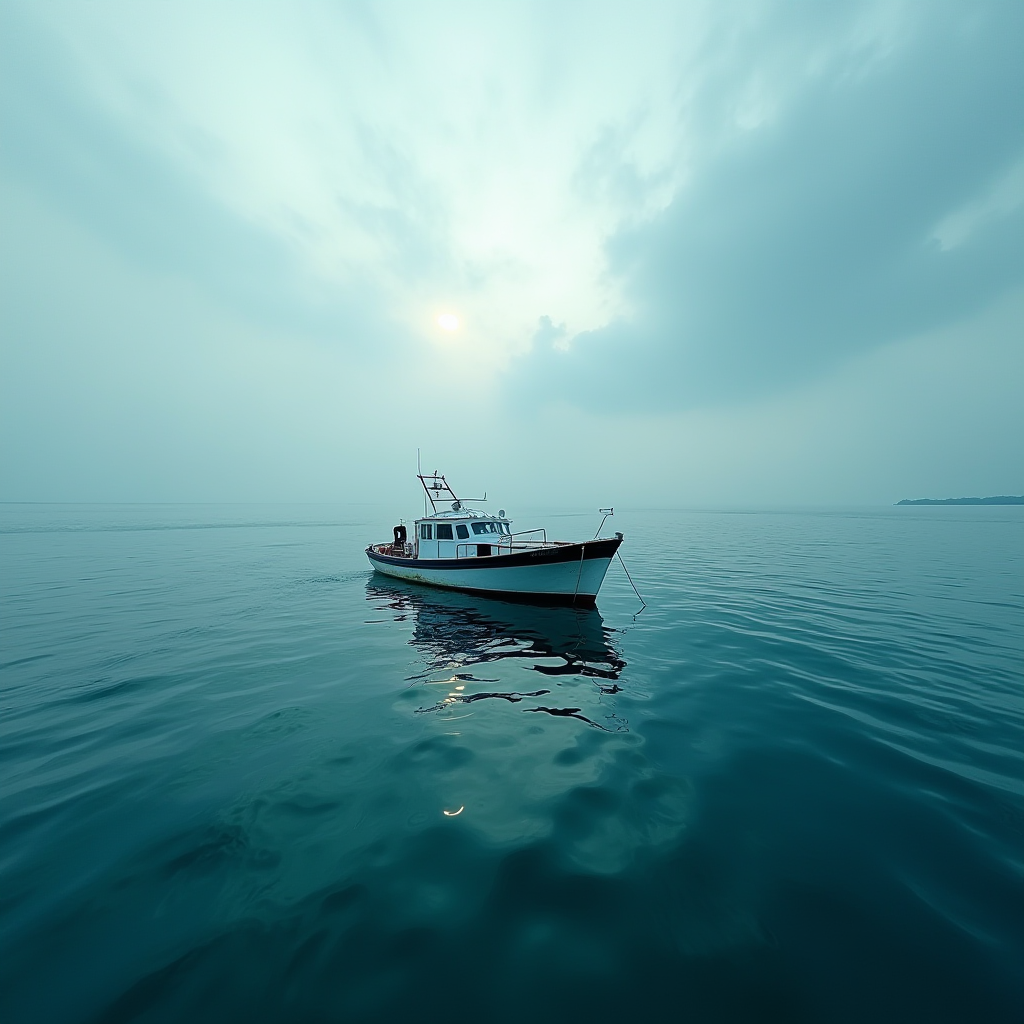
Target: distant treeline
[999, 499]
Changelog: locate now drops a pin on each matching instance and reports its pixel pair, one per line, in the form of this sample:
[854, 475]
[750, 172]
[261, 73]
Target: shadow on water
[452, 627]
[458, 633]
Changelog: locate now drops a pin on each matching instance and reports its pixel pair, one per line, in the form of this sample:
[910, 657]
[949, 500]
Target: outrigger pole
[435, 482]
[442, 490]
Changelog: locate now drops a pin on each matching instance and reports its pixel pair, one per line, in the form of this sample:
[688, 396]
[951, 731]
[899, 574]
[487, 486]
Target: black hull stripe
[538, 556]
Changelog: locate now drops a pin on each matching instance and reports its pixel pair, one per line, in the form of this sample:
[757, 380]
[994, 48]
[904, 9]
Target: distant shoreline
[999, 499]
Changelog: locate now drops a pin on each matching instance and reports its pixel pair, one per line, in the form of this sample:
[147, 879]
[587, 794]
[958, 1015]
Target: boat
[462, 548]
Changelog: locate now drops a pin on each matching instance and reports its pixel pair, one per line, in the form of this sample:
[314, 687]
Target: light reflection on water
[508, 685]
[457, 634]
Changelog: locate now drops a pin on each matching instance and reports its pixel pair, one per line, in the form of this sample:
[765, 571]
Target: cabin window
[425, 533]
[479, 528]
[444, 531]
[462, 532]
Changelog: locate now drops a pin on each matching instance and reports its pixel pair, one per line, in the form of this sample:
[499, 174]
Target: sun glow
[448, 321]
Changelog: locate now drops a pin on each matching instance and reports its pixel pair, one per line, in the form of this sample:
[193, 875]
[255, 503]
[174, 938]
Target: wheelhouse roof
[462, 515]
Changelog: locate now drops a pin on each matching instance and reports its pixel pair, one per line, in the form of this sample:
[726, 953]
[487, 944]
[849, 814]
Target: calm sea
[242, 779]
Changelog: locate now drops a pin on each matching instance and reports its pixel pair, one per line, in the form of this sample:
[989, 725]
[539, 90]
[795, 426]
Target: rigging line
[631, 583]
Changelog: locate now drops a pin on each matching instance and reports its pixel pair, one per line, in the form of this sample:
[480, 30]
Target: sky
[700, 254]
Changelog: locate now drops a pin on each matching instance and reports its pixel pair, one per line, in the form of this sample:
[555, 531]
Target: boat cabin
[460, 533]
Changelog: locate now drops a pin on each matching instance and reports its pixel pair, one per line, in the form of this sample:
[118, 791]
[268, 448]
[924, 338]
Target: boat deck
[498, 548]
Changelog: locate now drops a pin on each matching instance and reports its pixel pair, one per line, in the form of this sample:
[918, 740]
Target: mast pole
[419, 476]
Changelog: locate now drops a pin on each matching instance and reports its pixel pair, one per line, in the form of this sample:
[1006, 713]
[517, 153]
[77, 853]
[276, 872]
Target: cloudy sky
[700, 253]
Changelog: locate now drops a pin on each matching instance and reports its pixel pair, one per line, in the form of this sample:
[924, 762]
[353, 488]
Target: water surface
[244, 779]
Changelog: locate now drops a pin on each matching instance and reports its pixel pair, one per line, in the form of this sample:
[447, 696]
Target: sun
[448, 321]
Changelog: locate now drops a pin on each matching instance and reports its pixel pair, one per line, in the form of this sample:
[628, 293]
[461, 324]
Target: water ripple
[243, 778]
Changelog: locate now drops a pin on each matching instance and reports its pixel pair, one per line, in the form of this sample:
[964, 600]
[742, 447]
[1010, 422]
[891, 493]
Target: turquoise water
[243, 779]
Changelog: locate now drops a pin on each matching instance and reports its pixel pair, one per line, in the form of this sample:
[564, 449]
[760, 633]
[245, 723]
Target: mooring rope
[579, 573]
[643, 603]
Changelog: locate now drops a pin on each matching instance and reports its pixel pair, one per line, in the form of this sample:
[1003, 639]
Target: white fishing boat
[462, 548]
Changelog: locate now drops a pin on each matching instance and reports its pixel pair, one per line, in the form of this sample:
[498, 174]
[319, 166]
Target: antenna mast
[419, 476]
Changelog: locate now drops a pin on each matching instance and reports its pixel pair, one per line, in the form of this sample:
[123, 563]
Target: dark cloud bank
[812, 237]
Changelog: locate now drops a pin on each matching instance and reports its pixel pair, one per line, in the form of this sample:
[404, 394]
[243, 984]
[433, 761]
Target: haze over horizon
[756, 253]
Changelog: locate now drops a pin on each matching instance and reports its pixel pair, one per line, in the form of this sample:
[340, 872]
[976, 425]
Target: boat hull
[557, 574]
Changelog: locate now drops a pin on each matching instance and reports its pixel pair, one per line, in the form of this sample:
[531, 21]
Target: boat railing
[466, 548]
[510, 542]
[503, 545]
[522, 533]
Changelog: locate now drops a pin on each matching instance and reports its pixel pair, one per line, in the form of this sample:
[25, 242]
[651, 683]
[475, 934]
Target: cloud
[807, 229]
[100, 172]
[228, 233]
[426, 152]
[548, 333]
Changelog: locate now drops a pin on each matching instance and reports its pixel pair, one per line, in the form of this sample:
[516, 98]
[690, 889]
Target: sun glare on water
[448, 321]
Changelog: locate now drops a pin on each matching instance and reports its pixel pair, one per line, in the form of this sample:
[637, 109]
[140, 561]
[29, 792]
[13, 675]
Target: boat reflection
[461, 635]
